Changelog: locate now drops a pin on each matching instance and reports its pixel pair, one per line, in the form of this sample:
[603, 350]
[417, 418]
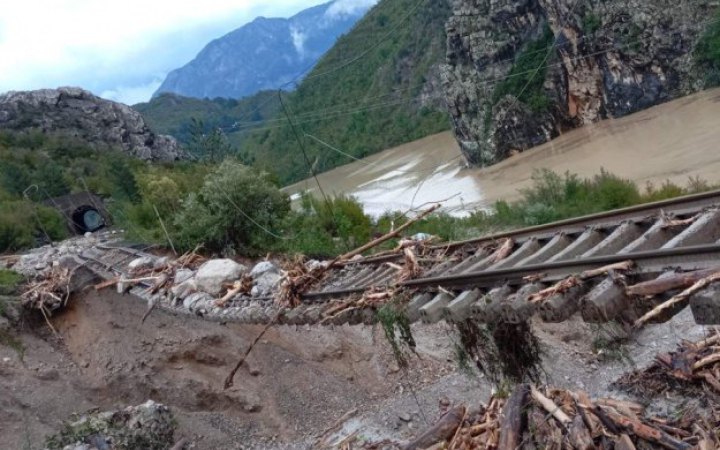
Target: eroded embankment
[297, 382]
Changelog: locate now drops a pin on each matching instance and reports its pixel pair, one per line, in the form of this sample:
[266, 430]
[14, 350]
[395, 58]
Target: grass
[9, 279]
[9, 282]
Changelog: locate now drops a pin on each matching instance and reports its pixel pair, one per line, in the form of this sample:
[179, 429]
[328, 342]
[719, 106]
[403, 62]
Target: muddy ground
[298, 382]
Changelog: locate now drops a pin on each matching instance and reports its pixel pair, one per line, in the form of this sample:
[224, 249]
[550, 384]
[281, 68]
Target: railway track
[471, 279]
[493, 278]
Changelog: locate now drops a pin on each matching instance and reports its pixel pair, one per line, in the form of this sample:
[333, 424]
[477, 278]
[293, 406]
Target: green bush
[525, 79]
[236, 210]
[9, 279]
[707, 53]
[22, 223]
[308, 237]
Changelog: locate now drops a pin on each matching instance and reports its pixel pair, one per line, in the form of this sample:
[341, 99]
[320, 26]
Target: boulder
[101, 123]
[150, 426]
[263, 267]
[212, 275]
[266, 283]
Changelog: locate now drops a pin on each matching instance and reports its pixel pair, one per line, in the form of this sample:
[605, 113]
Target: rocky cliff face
[519, 73]
[79, 113]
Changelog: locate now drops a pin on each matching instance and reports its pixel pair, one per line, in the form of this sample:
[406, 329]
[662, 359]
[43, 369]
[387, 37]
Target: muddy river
[672, 141]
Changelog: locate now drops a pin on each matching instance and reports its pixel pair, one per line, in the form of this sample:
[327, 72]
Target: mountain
[377, 87]
[267, 53]
[101, 123]
[520, 73]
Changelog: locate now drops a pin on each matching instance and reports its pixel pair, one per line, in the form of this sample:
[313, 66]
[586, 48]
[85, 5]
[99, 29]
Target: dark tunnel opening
[87, 218]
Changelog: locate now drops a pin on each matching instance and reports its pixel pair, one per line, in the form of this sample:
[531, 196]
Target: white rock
[138, 264]
[184, 289]
[191, 299]
[213, 274]
[160, 263]
[263, 267]
[67, 262]
[266, 283]
[183, 275]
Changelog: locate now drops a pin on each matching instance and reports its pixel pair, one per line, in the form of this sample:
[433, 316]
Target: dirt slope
[297, 383]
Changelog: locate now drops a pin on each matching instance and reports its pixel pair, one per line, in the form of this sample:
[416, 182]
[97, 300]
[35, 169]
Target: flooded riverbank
[672, 141]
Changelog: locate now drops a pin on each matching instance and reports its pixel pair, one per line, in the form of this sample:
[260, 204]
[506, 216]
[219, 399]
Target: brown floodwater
[673, 141]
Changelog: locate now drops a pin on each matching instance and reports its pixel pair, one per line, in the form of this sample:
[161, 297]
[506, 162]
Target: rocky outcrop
[149, 426]
[508, 87]
[78, 113]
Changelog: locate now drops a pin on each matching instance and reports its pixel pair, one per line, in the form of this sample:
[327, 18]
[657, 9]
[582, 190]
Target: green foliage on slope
[173, 114]
[707, 53]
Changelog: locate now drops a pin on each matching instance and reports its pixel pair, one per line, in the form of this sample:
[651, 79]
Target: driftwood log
[443, 430]
[514, 418]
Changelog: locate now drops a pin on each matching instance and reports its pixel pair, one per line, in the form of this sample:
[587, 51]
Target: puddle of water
[673, 141]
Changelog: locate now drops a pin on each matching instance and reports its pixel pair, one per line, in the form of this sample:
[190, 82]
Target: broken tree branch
[550, 406]
[619, 266]
[229, 380]
[667, 283]
[384, 238]
[679, 298]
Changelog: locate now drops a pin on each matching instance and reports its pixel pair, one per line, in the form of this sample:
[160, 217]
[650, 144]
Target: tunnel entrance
[87, 218]
[84, 211]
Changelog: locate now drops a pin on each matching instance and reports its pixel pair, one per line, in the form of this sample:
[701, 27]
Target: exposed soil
[298, 382]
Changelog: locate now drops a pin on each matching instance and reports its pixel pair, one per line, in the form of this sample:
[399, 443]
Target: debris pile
[693, 370]
[149, 426]
[551, 418]
[50, 293]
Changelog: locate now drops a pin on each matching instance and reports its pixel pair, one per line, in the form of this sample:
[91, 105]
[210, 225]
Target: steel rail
[651, 261]
[679, 206]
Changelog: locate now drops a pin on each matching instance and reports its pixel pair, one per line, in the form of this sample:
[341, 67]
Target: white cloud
[347, 7]
[131, 95]
[298, 38]
[114, 47]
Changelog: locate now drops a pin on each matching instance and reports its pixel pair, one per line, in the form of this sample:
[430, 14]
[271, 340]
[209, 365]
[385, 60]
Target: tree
[236, 210]
[211, 145]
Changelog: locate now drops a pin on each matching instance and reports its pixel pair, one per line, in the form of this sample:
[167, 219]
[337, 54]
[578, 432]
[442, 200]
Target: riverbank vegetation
[229, 208]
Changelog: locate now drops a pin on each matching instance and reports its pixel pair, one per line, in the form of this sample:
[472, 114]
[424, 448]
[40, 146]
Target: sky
[119, 50]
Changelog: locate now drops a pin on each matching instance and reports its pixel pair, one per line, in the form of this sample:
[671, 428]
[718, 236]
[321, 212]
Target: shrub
[236, 210]
[22, 222]
[342, 217]
[164, 193]
[707, 53]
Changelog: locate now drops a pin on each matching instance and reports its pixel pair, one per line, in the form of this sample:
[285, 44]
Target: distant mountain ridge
[265, 53]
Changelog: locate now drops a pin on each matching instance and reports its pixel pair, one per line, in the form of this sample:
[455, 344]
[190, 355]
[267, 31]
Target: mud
[297, 382]
[672, 141]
